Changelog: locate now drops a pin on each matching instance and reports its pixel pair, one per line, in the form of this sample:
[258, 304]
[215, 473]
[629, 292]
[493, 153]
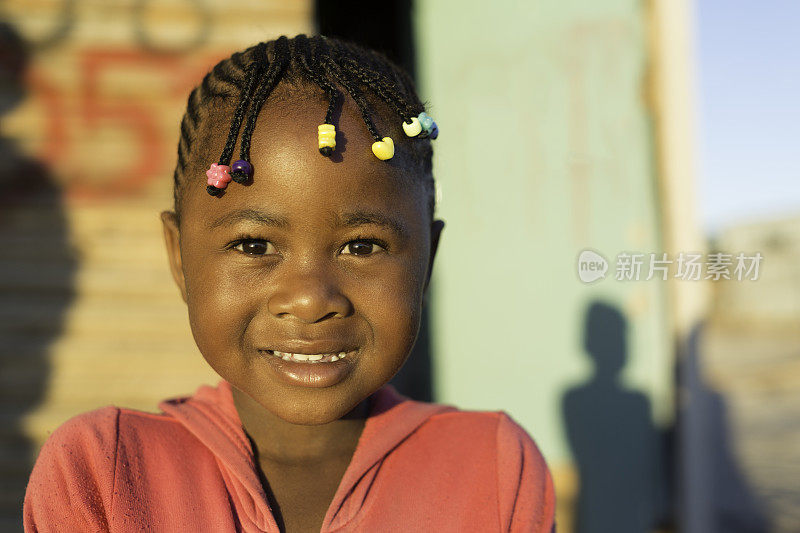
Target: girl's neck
[278, 441]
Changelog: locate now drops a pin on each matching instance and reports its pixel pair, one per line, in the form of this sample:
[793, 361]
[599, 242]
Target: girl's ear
[436, 232]
[169, 220]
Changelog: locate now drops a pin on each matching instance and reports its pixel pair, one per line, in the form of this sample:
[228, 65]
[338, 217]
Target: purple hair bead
[434, 131]
[241, 171]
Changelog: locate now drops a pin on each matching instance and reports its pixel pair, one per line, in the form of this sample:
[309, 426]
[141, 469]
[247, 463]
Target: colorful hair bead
[241, 171]
[425, 121]
[218, 178]
[434, 131]
[412, 128]
[383, 149]
[326, 134]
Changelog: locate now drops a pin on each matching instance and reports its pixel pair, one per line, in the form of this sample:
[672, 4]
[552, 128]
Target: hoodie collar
[211, 416]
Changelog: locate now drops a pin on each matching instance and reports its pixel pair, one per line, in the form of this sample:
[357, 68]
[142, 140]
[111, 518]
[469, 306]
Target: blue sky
[748, 103]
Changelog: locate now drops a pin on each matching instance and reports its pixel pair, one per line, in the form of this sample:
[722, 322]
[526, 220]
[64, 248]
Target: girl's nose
[308, 297]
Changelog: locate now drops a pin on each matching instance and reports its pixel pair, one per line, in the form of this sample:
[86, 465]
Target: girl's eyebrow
[347, 220]
[248, 215]
[359, 218]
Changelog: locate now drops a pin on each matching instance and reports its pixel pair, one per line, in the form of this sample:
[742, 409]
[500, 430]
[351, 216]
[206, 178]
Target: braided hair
[332, 66]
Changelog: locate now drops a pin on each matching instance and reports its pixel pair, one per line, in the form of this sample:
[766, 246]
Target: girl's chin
[323, 409]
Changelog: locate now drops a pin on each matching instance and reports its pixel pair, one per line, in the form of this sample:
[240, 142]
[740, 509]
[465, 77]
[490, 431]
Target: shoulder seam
[116, 455]
[503, 418]
[497, 474]
[462, 413]
[145, 414]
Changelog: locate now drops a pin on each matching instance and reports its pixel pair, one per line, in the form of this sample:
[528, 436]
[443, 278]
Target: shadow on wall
[37, 269]
[617, 450]
[714, 494]
[631, 480]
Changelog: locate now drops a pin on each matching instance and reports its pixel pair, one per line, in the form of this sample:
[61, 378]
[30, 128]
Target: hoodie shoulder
[465, 470]
[146, 437]
[72, 482]
[490, 449]
[525, 486]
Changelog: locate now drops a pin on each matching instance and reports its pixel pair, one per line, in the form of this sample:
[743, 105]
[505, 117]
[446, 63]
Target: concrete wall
[547, 147]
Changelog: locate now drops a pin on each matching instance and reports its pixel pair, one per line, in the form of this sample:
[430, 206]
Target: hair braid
[377, 75]
[280, 56]
[246, 95]
[387, 93]
[310, 63]
[356, 95]
[215, 84]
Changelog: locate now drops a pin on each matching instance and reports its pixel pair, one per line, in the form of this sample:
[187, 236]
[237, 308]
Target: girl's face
[316, 256]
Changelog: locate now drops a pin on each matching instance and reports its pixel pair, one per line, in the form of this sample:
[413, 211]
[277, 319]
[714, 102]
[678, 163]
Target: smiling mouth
[309, 358]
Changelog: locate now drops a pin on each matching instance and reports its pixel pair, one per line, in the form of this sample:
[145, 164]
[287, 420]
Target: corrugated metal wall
[89, 314]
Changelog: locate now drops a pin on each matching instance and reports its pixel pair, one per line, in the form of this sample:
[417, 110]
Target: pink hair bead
[218, 176]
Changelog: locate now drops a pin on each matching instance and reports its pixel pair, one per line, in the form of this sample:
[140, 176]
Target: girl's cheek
[396, 302]
[215, 300]
[392, 286]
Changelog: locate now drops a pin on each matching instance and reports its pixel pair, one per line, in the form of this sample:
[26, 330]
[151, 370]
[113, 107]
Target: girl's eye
[253, 246]
[362, 247]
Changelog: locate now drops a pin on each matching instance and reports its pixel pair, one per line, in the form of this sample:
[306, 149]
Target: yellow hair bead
[383, 149]
[412, 129]
[327, 138]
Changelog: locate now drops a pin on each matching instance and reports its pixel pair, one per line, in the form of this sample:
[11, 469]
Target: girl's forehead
[311, 204]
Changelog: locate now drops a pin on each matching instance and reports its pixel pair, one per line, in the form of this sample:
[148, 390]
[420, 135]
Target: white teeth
[313, 358]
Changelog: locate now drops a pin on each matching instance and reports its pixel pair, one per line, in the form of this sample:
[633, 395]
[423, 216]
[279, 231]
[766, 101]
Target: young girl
[304, 266]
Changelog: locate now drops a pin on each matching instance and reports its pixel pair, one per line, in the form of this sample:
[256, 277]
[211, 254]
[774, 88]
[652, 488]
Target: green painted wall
[545, 149]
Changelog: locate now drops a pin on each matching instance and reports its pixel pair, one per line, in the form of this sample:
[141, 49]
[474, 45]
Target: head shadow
[714, 492]
[614, 443]
[38, 269]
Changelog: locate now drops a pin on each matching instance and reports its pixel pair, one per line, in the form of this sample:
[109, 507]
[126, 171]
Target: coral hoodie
[417, 467]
